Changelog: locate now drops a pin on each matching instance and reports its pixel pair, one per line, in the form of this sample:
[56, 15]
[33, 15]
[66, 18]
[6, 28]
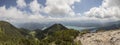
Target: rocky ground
[100, 38]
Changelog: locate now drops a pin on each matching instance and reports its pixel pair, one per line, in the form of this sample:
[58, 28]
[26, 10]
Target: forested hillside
[56, 34]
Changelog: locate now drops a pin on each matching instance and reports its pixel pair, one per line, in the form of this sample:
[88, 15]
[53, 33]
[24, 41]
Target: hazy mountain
[33, 25]
[108, 26]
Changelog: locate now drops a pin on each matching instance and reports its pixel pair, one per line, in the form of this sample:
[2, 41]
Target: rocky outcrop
[100, 38]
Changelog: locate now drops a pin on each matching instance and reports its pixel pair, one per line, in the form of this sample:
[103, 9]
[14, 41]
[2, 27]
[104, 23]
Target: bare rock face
[100, 38]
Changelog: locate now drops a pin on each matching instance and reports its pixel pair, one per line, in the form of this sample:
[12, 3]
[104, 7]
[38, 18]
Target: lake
[79, 28]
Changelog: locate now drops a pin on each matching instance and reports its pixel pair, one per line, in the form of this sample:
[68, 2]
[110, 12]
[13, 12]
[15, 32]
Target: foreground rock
[100, 38]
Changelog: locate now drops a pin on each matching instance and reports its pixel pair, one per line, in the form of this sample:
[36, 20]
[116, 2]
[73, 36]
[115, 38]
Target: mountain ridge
[54, 27]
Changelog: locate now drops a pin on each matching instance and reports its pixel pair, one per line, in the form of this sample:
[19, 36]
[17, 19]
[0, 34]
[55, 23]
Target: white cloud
[111, 3]
[57, 10]
[60, 7]
[21, 3]
[35, 6]
[108, 9]
[13, 14]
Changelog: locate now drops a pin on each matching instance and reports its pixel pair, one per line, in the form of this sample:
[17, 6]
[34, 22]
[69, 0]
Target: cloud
[13, 14]
[108, 9]
[111, 3]
[60, 7]
[57, 11]
[35, 6]
[16, 15]
[21, 3]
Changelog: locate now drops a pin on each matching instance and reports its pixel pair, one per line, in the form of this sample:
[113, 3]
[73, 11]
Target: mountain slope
[108, 26]
[112, 25]
[8, 31]
[54, 28]
[39, 34]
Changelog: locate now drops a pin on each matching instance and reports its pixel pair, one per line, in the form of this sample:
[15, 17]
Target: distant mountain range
[112, 26]
[33, 25]
[109, 26]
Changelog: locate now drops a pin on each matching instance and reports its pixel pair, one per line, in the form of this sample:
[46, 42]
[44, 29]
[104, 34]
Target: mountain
[54, 27]
[10, 35]
[41, 25]
[107, 26]
[24, 32]
[33, 25]
[8, 31]
[57, 33]
[39, 34]
[111, 26]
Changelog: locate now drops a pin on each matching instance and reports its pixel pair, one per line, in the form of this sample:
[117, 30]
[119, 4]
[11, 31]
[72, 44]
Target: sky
[40, 11]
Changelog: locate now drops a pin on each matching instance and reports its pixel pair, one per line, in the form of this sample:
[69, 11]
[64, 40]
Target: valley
[58, 34]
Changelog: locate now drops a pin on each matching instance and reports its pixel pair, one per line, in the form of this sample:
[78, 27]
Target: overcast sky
[19, 11]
